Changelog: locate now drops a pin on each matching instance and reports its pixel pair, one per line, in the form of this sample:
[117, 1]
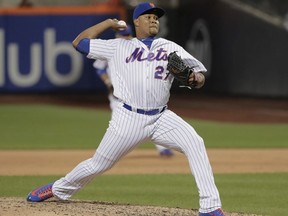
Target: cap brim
[157, 11]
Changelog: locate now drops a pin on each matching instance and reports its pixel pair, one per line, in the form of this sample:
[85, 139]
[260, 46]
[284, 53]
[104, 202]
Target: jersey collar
[147, 41]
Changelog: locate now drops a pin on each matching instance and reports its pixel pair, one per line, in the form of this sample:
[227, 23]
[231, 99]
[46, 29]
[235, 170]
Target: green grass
[51, 127]
[233, 135]
[263, 194]
[58, 127]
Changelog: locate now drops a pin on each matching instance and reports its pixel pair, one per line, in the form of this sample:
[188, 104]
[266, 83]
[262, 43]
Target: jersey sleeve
[191, 60]
[194, 63]
[188, 58]
[102, 49]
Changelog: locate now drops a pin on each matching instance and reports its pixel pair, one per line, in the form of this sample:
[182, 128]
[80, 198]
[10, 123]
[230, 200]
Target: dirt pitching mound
[17, 206]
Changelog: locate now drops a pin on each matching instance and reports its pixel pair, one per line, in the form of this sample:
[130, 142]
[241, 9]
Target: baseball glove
[180, 70]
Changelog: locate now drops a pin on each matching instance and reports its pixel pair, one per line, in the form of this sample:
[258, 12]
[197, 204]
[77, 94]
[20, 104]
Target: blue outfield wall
[37, 55]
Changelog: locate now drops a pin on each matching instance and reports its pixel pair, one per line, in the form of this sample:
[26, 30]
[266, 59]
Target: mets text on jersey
[137, 54]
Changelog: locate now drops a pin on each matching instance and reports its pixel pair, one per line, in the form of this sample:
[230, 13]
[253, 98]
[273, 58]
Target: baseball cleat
[166, 153]
[217, 212]
[40, 194]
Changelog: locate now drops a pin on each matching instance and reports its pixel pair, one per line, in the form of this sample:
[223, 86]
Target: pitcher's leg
[202, 171]
[174, 132]
[120, 138]
[81, 175]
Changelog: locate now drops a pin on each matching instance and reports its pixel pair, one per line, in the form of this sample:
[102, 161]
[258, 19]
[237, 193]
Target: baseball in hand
[122, 25]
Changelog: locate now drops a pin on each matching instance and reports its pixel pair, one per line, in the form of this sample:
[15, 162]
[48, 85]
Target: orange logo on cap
[151, 4]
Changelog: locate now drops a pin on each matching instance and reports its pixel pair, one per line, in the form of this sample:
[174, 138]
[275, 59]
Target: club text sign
[37, 54]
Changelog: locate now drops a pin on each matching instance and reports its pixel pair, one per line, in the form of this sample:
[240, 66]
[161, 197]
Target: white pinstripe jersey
[138, 73]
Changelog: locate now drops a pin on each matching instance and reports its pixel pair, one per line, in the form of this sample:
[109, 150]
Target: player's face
[147, 25]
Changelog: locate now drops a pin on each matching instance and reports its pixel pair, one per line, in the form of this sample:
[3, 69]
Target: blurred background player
[102, 71]
[25, 3]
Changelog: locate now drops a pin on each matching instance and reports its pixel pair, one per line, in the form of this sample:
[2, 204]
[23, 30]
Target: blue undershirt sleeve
[83, 46]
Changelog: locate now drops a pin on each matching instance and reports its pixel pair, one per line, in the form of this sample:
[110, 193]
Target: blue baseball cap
[126, 31]
[146, 8]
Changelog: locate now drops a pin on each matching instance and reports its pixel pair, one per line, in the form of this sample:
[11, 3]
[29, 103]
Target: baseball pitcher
[142, 71]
